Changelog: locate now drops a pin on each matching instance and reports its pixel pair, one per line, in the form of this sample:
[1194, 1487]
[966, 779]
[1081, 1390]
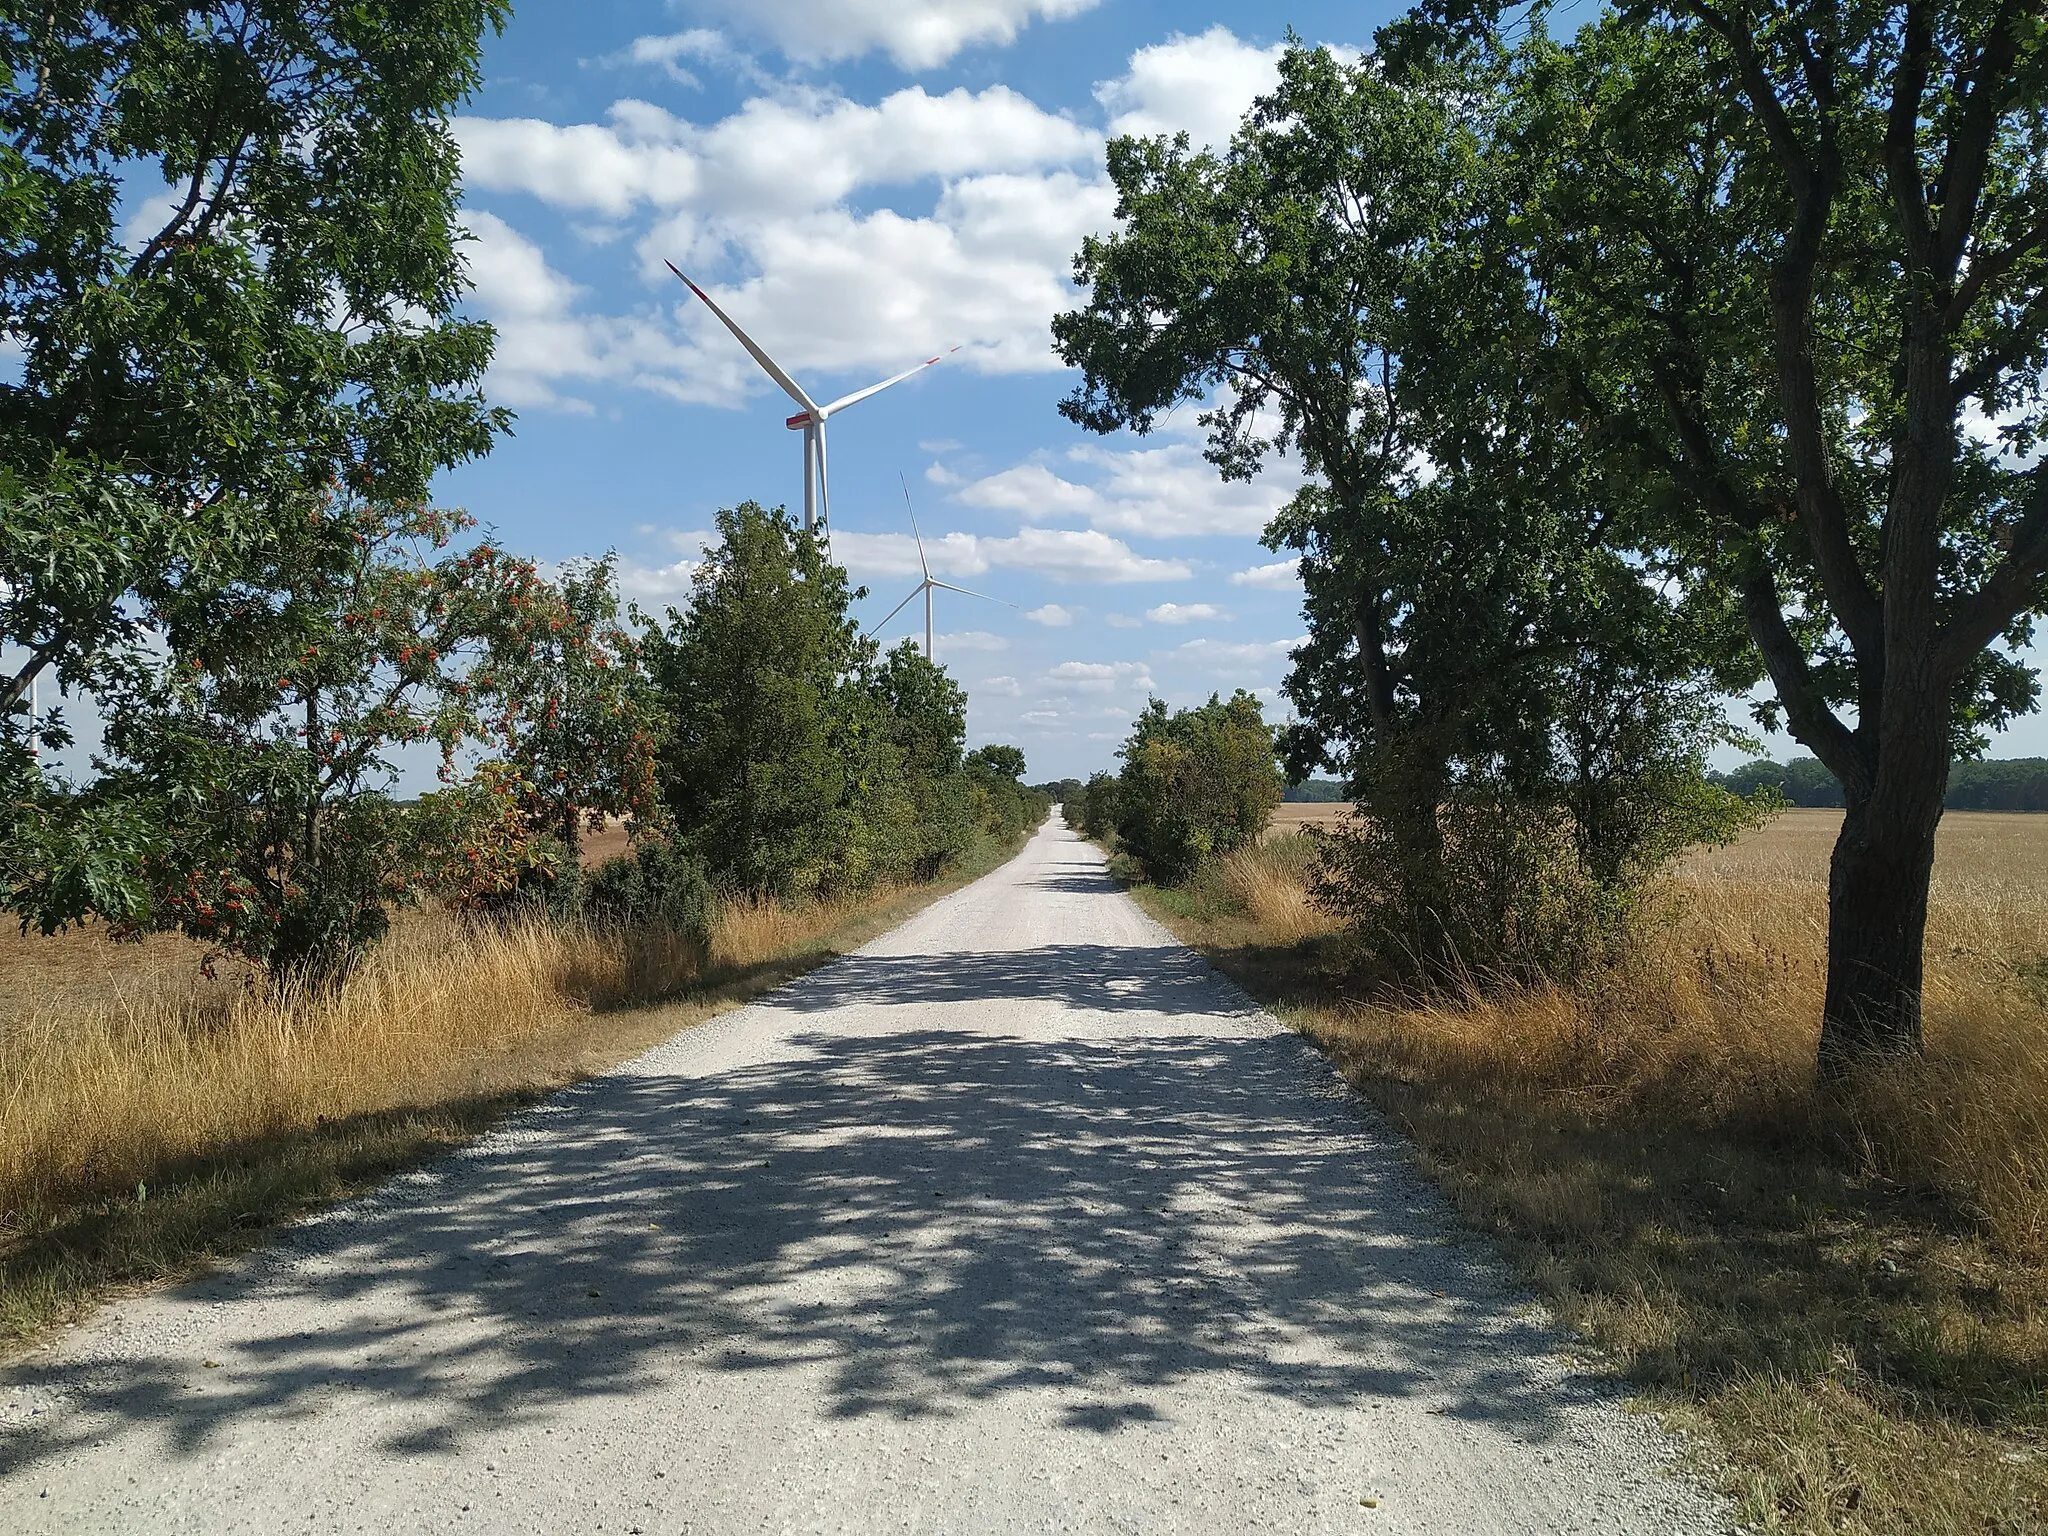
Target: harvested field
[1292, 816]
[595, 848]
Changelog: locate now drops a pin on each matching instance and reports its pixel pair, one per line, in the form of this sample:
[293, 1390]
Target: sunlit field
[1852, 1287]
[1293, 816]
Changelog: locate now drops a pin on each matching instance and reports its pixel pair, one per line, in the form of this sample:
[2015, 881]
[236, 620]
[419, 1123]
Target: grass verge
[153, 1123]
[1851, 1289]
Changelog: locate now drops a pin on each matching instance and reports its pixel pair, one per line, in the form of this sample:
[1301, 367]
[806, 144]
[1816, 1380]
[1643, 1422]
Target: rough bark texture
[1877, 925]
[1878, 881]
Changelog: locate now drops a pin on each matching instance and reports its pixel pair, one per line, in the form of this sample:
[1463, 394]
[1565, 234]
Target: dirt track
[1019, 1219]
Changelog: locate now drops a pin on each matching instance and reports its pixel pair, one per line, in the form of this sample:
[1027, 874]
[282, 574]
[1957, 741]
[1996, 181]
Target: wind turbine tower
[812, 418]
[930, 583]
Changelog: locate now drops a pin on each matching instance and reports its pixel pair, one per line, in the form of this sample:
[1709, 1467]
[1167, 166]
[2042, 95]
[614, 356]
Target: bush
[656, 885]
[1003, 806]
[1098, 806]
[1195, 783]
[1511, 890]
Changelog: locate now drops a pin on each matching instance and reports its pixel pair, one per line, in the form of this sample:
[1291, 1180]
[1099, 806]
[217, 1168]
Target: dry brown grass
[1852, 1289]
[151, 1118]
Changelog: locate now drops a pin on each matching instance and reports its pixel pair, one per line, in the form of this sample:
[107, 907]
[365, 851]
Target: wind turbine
[811, 419]
[929, 583]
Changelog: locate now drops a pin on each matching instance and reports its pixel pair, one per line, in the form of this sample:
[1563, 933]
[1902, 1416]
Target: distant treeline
[1309, 792]
[2001, 784]
[1313, 792]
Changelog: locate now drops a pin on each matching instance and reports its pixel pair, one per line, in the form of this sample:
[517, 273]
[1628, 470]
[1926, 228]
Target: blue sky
[862, 183]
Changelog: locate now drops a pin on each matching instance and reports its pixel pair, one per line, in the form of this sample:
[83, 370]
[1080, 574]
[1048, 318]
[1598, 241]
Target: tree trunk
[312, 848]
[1877, 922]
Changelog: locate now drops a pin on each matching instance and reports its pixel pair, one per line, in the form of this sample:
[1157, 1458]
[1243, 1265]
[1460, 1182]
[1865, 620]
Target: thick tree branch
[1990, 266]
[1814, 180]
[1733, 29]
[2021, 337]
[39, 657]
[1807, 712]
[2011, 589]
[1902, 138]
[1970, 143]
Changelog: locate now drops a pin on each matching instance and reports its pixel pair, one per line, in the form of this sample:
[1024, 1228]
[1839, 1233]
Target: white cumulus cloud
[1197, 85]
[656, 583]
[1064, 554]
[765, 190]
[850, 237]
[699, 44]
[1185, 613]
[1052, 616]
[1235, 662]
[916, 34]
[1102, 676]
[1280, 576]
[971, 640]
[1167, 491]
[1081, 555]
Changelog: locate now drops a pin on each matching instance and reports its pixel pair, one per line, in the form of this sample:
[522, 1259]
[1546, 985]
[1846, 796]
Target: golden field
[1850, 1290]
[1292, 816]
[151, 1119]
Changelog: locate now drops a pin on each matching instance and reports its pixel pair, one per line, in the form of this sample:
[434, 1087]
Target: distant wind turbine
[930, 582]
[811, 419]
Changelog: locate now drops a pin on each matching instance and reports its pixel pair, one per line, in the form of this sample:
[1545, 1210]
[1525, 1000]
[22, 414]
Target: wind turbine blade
[965, 592]
[874, 389]
[914, 533]
[774, 369]
[919, 588]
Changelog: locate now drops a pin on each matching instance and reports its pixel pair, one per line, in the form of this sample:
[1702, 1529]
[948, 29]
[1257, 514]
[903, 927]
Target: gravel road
[1019, 1219]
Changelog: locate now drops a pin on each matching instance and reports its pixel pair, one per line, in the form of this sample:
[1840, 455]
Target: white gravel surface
[1020, 1219]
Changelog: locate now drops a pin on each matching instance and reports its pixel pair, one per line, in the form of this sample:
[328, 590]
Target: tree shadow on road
[922, 1219]
[1099, 978]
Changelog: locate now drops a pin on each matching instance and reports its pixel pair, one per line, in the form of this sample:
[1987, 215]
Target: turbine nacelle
[811, 419]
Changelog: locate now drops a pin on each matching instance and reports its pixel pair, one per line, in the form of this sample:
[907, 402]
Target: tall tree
[274, 319]
[1334, 285]
[927, 716]
[1793, 258]
[761, 767]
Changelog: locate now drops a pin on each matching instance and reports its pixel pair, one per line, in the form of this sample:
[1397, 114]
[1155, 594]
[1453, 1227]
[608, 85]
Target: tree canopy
[1334, 285]
[796, 760]
[278, 322]
[209, 395]
[1195, 783]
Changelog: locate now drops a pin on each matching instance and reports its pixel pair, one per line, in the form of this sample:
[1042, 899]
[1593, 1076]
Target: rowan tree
[278, 325]
[245, 792]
